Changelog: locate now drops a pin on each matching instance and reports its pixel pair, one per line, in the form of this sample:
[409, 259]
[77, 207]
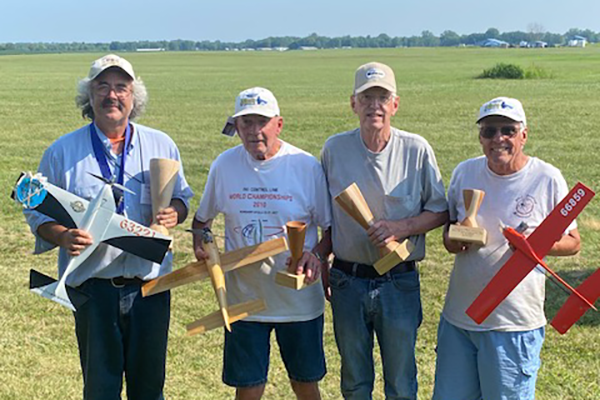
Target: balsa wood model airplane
[215, 267]
[528, 254]
[97, 217]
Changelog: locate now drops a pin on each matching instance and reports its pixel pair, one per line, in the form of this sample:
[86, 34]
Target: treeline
[426, 39]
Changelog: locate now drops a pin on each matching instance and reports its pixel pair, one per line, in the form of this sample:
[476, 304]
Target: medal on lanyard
[100, 156]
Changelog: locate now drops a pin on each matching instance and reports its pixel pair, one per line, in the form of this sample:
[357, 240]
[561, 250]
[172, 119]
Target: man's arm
[567, 245]
[73, 240]
[197, 239]
[384, 231]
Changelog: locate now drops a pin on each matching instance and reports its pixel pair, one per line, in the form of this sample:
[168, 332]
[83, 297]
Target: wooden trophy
[467, 230]
[352, 201]
[163, 175]
[296, 232]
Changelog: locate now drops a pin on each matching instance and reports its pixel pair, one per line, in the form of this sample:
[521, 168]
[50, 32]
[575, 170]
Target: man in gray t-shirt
[398, 175]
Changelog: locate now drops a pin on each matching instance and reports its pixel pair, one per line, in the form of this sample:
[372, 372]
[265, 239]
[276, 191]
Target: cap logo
[375, 73]
[109, 61]
[252, 100]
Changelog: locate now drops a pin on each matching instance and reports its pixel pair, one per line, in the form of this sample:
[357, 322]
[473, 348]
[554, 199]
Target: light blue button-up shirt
[66, 164]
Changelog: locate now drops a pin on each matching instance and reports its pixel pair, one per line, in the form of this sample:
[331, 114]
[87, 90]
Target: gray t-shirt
[401, 181]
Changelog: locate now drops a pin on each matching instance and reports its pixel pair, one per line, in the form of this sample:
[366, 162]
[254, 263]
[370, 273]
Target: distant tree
[429, 39]
[536, 31]
[449, 38]
[492, 33]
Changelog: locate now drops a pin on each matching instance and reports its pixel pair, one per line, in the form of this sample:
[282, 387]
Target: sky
[238, 20]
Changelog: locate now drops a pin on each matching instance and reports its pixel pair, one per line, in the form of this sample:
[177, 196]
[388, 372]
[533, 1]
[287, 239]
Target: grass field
[191, 95]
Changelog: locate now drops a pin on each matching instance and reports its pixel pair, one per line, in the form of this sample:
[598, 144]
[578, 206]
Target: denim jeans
[388, 307]
[120, 332]
[248, 347]
[490, 365]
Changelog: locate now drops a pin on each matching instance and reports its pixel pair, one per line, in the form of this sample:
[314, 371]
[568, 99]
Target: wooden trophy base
[468, 234]
[399, 254]
[290, 280]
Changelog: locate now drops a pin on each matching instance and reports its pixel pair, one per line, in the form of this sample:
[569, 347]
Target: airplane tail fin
[236, 313]
[45, 286]
[574, 307]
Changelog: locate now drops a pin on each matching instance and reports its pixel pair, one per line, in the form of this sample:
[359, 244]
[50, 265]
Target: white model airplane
[97, 217]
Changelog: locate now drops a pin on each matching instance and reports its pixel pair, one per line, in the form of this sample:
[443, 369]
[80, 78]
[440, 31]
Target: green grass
[191, 95]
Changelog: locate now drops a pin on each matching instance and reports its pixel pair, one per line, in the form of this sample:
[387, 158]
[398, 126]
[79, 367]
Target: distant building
[494, 43]
[540, 44]
[524, 43]
[308, 48]
[577, 41]
[153, 49]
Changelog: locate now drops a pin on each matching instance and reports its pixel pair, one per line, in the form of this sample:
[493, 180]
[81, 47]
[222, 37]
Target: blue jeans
[120, 332]
[389, 307]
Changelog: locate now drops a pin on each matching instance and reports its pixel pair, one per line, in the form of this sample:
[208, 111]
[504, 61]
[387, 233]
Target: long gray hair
[84, 97]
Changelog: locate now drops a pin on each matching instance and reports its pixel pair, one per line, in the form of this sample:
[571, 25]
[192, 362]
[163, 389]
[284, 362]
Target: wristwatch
[319, 257]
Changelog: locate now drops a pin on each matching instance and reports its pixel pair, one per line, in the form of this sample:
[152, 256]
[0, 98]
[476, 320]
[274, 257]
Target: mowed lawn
[191, 94]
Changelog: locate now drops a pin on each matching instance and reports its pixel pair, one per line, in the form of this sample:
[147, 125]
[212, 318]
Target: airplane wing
[519, 265]
[135, 238]
[215, 319]
[230, 261]
[35, 192]
[574, 307]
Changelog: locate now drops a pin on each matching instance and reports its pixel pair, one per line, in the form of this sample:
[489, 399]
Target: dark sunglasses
[490, 131]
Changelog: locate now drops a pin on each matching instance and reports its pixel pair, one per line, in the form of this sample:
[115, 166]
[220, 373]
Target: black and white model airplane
[97, 217]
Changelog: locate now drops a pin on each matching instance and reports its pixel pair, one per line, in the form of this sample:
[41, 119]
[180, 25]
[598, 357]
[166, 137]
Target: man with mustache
[397, 173]
[118, 331]
[258, 186]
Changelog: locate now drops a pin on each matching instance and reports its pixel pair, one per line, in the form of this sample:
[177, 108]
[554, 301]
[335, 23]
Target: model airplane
[529, 253]
[215, 267]
[97, 217]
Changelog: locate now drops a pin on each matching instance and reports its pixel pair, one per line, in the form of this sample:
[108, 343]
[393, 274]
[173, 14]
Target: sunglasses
[507, 131]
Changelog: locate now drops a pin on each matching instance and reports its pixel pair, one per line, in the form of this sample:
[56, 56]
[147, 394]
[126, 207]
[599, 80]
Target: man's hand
[167, 217]
[454, 246]
[74, 241]
[309, 265]
[382, 232]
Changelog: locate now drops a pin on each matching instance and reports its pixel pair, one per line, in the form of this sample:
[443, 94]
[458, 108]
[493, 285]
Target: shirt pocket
[400, 207]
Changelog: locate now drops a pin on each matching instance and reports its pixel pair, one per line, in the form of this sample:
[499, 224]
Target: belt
[368, 272]
[121, 281]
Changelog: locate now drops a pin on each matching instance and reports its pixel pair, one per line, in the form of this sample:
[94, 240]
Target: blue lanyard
[100, 155]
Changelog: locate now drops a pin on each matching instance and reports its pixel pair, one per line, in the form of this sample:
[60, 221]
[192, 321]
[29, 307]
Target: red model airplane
[529, 253]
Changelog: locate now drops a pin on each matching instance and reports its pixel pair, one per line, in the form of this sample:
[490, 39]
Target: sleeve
[50, 167]
[209, 206]
[322, 201]
[453, 190]
[434, 194]
[182, 190]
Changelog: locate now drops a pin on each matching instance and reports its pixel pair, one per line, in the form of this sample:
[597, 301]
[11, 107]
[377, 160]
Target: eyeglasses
[508, 131]
[366, 99]
[104, 89]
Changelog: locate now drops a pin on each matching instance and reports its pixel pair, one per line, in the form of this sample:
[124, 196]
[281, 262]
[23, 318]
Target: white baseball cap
[374, 74]
[256, 100]
[504, 107]
[110, 61]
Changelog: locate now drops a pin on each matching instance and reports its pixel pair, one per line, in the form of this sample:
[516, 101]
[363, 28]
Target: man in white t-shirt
[498, 359]
[259, 186]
